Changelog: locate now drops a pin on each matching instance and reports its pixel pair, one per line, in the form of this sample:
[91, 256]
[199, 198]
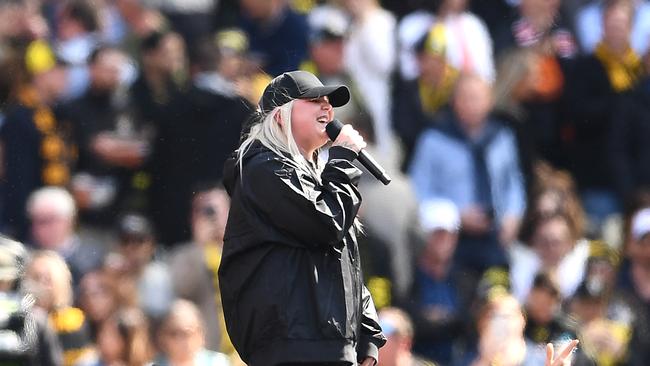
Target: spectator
[634, 279]
[500, 324]
[124, 340]
[195, 264]
[600, 79]
[112, 145]
[101, 295]
[605, 334]
[141, 21]
[237, 67]
[49, 280]
[545, 320]
[469, 46]
[538, 26]
[472, 161]
[602, 265]
[52, 213]
[553, 192]
[28, 338]
[161, 76]
[328, 28]
[589, 25]
[554, 249]
[37, 150]
[518, 73]
[182, 338]
[417, 102]
[278, 35]
[77, 31]
[22, 20]
[398, 329]
[210, 132]
[628, 132]
[439, 297]
[192, 19]
[410, 30]
[370, 64]
[134, 263]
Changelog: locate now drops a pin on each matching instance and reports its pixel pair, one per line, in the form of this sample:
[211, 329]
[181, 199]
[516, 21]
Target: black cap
[300, 85]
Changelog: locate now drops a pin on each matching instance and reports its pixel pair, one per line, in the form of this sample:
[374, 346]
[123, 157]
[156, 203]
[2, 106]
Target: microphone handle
[373, 167]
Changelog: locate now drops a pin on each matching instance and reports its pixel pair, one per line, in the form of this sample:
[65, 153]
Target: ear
[278, 118]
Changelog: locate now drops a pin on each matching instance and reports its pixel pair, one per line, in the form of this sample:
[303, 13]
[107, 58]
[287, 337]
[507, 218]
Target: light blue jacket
[443, 167]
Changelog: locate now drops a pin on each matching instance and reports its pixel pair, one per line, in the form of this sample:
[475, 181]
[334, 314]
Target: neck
[42, 96]
[276, 10]
[155, 79]
[437, 268]
[617, 48]
[404, 359]
[185, 360]
[472, 130]
[63, 245]
[308, 155]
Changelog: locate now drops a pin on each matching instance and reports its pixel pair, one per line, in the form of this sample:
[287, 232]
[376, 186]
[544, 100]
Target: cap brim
[338, 94]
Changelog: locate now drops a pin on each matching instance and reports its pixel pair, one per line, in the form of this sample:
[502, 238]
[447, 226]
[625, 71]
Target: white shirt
[469, 46]
[369, 58]
[526, 264]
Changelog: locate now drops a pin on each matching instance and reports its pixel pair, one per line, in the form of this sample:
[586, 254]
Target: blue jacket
[444, 167]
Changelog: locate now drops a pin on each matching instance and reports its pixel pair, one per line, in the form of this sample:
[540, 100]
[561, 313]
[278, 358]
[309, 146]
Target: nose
[325, 104]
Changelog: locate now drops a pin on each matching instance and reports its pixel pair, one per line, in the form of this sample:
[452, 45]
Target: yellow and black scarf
[433, 97]
[55, 151]
[622, 71]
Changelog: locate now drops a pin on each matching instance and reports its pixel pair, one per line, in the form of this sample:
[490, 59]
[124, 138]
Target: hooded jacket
[291, 282]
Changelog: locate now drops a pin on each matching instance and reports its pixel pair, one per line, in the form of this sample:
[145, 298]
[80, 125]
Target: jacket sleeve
[313, 213]
[424, 170]
[371, 337]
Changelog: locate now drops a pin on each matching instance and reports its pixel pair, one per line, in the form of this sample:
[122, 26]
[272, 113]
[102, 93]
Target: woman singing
[290, 278]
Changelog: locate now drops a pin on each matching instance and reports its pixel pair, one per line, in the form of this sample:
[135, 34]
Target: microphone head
[333, 129]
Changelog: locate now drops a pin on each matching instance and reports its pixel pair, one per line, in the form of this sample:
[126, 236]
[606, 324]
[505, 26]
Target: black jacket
[629, 133]
[291, 283]
[592, 99]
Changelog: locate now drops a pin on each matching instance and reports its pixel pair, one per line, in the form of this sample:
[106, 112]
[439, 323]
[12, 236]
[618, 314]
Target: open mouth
[323, 120]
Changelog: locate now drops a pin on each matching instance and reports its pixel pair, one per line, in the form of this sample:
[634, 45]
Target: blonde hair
[277, 137]
[513, 67]
[61, 277]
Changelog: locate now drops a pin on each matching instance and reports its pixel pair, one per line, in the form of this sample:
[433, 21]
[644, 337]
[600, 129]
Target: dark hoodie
[291, 283]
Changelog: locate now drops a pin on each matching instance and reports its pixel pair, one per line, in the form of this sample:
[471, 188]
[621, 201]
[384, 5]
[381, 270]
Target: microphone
[334, 128]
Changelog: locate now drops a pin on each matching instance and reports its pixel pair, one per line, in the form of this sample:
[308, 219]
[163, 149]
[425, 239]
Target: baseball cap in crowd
[134, 225]
[300, 85]
[434, 42]
[439, 214]
[327, 22]
[641, 224]
[232, 40]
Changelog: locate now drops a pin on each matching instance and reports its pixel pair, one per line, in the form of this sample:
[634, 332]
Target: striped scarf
[622, 71]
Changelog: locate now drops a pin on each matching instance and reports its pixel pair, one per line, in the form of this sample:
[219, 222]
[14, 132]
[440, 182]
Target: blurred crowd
[517, 133]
